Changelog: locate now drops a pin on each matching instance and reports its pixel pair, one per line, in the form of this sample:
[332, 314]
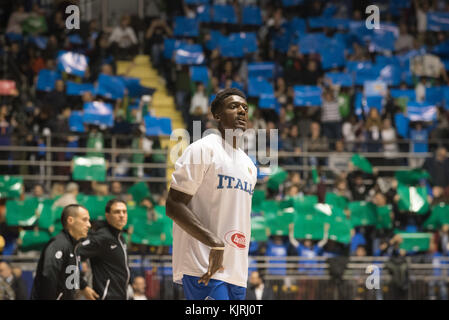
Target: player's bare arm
[177, 210]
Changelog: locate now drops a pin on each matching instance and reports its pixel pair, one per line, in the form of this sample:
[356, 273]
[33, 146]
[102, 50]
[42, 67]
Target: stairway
[163, 105]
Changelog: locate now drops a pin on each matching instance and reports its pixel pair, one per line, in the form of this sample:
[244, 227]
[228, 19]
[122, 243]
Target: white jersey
[221, 181]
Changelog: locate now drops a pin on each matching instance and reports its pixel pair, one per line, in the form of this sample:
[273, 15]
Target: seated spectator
[69, 197]
[317, 143]
[16, 283]
[258, 289]
[404, 42]
[123, 39]
[139, 287]
[338, 162]
[199, 104]
[359, 190]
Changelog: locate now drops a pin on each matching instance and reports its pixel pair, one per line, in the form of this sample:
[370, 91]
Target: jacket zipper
[126, 264]
[77, 266]
[106, 289]
[60, 296]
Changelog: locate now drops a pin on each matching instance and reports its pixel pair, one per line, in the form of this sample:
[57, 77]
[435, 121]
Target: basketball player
[210, 203]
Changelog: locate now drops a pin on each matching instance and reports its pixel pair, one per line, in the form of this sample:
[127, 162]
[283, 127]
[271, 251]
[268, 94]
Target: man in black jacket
[58, 272]
[106, 250]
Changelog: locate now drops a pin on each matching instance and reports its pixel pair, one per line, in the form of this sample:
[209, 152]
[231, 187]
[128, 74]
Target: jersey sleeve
[190, 169]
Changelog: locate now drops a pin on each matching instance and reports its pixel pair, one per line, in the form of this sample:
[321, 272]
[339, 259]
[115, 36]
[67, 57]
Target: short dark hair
[111, 203]
[223, 94]
[69, 211]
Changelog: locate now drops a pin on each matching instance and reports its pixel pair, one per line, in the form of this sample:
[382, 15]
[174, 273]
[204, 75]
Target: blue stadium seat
[76, 123]
[307, 96]
[77, 89]
[199, 74]
[189, 54]
[341, 78]
[224, 14]
[231, 47]
[111, 87]
[197, 2]
[292, 3]
[248, 41]
[438, 21]
[259, 86]
[435, 95]
[72, 63]
[421, 111]
[98, 113]
[402, 125]
[261, 69]
[157, 126]
[203, 13]
[251, 15]
[46, 80]
[186, 27]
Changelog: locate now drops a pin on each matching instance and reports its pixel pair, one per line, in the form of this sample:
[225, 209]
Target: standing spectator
[16, 19]
[257, 289]
[154, 37]
[434, 257]
[390, 146]
[139, 287]
[438, 168]
[292, 143]
[419, 144]
[372, 131]
[330, 114]
[123, 40]
[17, 284]
[351, 130]
[56, 100]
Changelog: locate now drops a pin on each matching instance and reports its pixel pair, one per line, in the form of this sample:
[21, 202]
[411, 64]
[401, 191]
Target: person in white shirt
[123, 37]
[210, 203]
[200, 101]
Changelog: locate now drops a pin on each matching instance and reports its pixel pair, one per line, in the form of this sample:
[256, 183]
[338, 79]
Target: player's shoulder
[207, 143]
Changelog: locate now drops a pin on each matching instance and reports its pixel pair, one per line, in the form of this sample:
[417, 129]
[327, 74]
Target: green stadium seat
[10, 187]
[305, 204]
[340, 230]
[335, 200]
[259, 229]
[309, 226]
[363, 213]
[415, 242]
[89, 169]
[33, 240]
[21, 213]
[383, 217]
[96, 205]
[140, 191]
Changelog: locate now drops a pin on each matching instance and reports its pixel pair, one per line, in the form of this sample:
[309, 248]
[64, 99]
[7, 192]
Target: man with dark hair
[106, 250]
[210, 203]
[258, 289]
[57, 274]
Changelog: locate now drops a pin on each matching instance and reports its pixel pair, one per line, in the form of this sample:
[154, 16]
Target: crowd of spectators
[33, 118]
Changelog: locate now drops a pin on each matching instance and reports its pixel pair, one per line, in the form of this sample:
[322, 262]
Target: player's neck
[232, 139]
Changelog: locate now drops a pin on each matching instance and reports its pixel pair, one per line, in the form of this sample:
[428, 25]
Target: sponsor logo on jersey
[234, 183]
[236, 239]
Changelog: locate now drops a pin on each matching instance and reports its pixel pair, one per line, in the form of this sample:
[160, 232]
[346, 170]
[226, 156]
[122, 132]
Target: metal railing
[295, 278]
[47, 164]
